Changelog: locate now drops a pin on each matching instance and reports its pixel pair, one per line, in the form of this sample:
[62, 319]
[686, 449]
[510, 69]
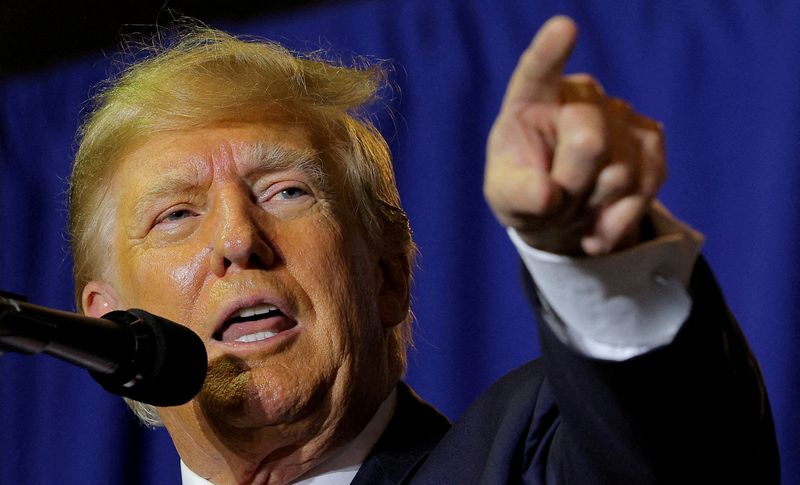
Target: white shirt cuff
[624, 304]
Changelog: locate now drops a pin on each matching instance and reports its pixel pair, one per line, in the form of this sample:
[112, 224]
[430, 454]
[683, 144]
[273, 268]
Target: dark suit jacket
[694, 411]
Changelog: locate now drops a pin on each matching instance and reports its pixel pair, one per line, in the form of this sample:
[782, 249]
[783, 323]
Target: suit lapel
[414, 430]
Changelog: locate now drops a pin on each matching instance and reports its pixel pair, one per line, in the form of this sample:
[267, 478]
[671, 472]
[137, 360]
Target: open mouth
[254, 324]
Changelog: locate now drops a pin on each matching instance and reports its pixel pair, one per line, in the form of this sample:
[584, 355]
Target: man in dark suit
[231, 187]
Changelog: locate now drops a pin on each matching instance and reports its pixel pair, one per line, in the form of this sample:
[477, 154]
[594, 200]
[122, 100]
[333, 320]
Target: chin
[240, 397]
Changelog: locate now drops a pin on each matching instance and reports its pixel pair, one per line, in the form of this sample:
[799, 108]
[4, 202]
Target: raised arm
[574, 172]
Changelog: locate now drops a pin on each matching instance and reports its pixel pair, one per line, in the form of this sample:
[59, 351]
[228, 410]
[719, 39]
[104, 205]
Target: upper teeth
[256, 310]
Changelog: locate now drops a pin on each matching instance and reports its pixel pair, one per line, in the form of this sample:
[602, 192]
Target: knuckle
[653, 139]
[586, 142]
[581, 88]
[649, 124]
[619, 108]
[619, 103]
[655, 178]
[617, 177]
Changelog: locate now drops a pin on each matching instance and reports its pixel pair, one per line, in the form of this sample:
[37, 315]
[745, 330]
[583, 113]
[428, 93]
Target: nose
[239, 241]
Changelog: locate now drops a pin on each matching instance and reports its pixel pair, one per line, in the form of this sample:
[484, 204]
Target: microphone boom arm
[132, 353]
[30, 329]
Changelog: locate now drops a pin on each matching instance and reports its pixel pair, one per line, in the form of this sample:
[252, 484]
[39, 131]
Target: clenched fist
[572, 170]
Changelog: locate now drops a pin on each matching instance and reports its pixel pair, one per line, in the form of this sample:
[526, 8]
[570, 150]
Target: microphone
[131, 353]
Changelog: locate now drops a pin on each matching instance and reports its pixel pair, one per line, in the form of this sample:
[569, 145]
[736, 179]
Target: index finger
[538, 73]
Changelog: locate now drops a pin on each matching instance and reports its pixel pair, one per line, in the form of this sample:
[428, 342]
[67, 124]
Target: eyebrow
[166, 185]
[261, 157]
[257, 158]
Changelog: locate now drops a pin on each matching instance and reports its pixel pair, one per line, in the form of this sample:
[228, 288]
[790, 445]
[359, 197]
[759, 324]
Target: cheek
[189, 274]
[326, 266]
[168, 282]
[345, 284]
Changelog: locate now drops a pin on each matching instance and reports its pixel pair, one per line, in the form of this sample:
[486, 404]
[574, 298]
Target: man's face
[232, 231]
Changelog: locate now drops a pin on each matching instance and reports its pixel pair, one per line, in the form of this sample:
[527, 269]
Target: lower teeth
[255, 337]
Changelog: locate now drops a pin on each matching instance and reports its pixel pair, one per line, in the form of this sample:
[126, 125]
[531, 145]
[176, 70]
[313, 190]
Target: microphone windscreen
[170, 363]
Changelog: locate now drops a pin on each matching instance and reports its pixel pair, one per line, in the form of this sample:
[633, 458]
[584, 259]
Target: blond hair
[204, 76]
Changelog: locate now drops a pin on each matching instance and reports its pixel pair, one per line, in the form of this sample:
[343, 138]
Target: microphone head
[169, 362]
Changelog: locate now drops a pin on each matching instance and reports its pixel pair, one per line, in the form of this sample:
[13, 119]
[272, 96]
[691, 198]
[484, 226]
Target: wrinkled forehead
[181, 159]
[237, 147]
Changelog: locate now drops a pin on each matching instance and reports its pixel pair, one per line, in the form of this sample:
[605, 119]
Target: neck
[281, 454]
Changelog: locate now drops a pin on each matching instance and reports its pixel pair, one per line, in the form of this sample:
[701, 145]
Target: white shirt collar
[341, 468]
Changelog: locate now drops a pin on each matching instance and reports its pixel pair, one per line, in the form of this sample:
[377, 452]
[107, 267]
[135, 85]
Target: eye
[175, 215]
[292, 193]
[286, 191]
[289, 196]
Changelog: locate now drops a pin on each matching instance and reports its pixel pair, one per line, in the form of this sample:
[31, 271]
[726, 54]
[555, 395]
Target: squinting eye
[177, 215]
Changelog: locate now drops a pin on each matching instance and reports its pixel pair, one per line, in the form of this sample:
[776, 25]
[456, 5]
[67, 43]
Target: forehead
[235, 147]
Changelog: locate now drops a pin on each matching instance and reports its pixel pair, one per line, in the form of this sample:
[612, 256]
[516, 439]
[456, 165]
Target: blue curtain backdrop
[724, 77]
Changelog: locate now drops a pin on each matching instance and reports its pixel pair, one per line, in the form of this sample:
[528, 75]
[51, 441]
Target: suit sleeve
[692, 411]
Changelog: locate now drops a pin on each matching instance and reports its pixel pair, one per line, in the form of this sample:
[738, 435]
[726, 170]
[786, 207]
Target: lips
[253, 323]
